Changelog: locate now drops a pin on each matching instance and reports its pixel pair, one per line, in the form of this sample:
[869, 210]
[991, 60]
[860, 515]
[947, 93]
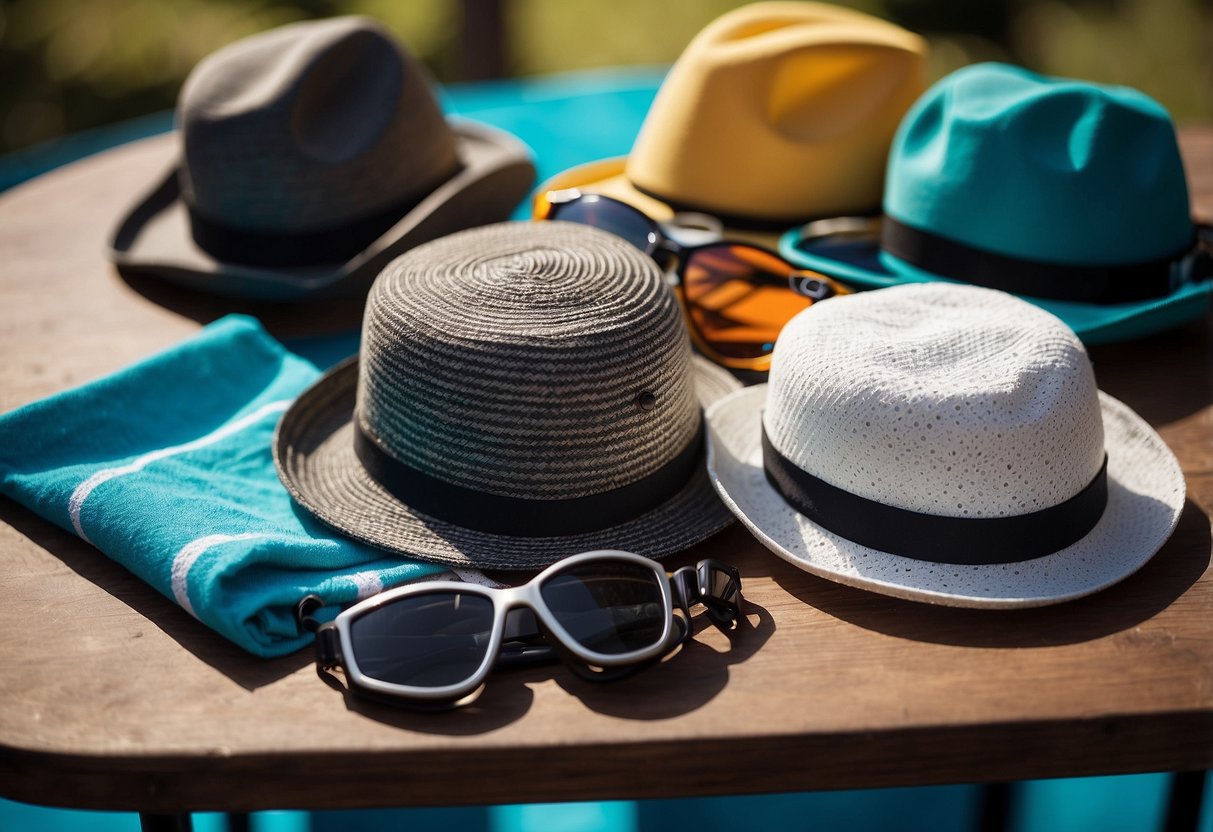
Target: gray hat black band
[935, 537]
[500, 514]
[336, 244]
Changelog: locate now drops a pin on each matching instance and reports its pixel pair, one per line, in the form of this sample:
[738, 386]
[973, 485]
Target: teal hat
[1067, 193]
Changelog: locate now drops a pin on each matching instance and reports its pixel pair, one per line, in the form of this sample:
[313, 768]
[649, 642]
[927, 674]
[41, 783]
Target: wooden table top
[112, 697]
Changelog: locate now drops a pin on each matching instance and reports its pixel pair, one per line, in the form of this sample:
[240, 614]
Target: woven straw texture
[960, 403]
[511, 359]
[954, 401]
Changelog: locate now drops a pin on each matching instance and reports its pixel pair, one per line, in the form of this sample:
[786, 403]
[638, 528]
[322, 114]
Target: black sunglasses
[605, 613]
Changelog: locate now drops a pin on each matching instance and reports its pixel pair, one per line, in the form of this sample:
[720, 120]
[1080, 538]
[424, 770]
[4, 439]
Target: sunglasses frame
[692, 582]
[662, 248]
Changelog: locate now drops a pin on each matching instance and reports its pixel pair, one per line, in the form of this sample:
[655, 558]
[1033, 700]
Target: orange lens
[739, 297]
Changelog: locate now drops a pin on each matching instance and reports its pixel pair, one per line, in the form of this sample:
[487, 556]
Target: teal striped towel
[166, 468]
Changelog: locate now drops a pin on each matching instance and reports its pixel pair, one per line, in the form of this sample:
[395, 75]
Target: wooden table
[114, 698]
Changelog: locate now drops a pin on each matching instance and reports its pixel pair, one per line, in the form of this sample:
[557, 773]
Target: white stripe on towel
[190, 552]
[368, 583]
[76, 502]
[475, 576]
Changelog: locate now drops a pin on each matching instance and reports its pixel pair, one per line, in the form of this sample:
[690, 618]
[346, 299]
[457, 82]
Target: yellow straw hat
[775, 113]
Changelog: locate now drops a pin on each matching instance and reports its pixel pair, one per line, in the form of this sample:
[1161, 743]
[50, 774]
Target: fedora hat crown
[308, 126]
[1007, 161]
[546, 361]
[780, 111]
[951, 401]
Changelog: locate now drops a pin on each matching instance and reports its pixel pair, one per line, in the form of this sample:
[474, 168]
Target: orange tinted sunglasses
[736, 296]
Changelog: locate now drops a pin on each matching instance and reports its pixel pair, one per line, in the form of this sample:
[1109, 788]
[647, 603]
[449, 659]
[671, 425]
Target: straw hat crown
[504, 360]
[945, 400]
[309, 125]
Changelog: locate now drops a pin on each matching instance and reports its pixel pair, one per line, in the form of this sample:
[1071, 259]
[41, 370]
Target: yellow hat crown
[780, 112]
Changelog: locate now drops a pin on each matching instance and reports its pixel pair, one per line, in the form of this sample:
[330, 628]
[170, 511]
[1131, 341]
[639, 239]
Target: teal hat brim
[861, 263]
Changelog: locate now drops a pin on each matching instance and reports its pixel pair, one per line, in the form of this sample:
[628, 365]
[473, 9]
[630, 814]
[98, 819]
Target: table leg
[149, 822]
[1183, 806]
[996, 807]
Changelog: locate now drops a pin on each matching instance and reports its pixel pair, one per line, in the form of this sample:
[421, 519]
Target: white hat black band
[934, 537]
[500, 514]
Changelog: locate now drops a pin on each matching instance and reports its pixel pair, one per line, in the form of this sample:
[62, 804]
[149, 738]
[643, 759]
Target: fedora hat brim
[1145, 498]
[315, 458]
[862, 264]
[155, 237]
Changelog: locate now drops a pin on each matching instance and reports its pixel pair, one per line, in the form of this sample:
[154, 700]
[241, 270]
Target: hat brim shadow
[1145, 498]
[315, 459]
[862, 264]
[155, 237]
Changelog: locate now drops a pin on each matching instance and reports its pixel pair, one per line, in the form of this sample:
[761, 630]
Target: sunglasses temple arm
[714, 584]
[328, 644]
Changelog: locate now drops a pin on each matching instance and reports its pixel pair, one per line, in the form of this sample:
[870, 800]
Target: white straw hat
[946, 444]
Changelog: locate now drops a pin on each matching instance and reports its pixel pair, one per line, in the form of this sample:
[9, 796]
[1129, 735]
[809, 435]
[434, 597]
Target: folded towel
[166, 468]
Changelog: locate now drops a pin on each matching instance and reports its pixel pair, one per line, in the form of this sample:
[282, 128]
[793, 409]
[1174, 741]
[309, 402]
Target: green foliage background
[66, 65]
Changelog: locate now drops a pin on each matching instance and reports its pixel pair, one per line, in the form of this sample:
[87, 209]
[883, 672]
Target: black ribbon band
[326, 246]
[1056, 281]
[933, 537]
[515, 516]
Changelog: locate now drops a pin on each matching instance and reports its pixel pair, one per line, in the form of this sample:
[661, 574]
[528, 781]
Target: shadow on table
[208, 646]
[1170, 573]
[283, 320]
[1164, 377]
[682, 682]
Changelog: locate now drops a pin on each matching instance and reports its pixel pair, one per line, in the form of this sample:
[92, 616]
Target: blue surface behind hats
[166, 468]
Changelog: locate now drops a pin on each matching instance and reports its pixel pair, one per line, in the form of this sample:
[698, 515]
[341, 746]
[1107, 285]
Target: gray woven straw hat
[310, 156]
[525, 391]
[946, 444]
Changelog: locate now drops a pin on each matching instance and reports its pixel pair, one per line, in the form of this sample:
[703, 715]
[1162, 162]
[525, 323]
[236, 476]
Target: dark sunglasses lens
[427, 641]
[609, 607]
[612, 216]
[739, 297]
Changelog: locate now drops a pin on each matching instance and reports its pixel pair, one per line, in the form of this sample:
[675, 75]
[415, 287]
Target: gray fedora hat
[525, 391]
[310, 156]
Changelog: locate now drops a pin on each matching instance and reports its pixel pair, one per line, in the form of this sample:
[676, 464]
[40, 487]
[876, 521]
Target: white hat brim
[1145, 498]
